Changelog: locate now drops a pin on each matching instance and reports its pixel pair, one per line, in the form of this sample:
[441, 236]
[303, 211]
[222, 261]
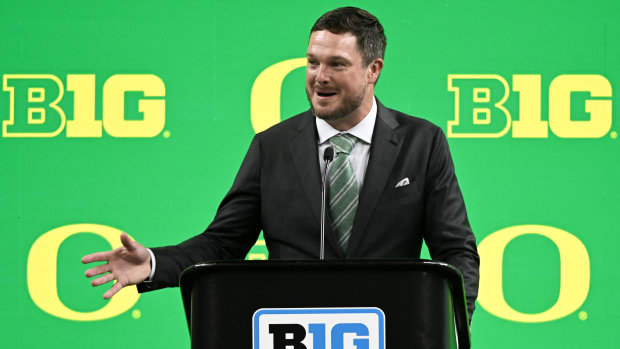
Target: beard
[347, 106]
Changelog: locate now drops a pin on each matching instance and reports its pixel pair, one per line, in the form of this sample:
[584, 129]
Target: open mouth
[325, 94]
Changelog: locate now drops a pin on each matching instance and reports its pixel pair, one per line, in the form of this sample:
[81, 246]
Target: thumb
[127, 242]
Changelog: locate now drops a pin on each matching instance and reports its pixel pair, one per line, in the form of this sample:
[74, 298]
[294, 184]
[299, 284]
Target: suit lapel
[383, 153]
[304, 147]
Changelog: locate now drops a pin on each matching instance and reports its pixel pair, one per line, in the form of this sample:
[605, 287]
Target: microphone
[328, 156]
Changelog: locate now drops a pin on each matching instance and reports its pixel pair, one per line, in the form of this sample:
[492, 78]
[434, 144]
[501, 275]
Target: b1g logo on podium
[319, 328]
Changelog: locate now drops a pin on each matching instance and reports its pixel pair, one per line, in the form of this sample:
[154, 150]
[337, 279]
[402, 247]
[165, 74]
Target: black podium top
[421, 302]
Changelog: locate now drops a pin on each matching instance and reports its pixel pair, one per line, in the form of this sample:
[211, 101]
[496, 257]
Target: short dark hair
[363, 25]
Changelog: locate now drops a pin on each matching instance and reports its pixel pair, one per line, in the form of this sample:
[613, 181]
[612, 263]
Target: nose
[322, 76]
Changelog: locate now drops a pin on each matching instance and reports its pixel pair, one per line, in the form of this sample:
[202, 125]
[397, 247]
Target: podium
[361, 304]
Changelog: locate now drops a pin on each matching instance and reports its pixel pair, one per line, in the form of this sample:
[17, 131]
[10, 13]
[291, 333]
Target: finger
[96, 257]
[112, 291]
[100, 269]
[127, 242]
[102, 280]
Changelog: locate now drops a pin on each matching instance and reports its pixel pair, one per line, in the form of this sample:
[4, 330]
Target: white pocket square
[403, 182]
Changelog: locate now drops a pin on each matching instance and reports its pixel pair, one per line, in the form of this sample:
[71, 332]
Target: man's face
[336, 80]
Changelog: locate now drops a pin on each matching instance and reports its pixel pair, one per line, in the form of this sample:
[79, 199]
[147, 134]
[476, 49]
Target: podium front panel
[416, 299]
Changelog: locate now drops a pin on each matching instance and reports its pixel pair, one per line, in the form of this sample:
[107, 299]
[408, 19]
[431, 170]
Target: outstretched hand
[128, 265]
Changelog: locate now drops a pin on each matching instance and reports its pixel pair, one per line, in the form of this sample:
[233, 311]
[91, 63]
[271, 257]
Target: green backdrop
[548, 189]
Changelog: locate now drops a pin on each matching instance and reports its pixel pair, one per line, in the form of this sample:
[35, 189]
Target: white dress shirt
[361, 151]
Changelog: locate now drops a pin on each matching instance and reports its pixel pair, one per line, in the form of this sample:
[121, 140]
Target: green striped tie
[343, 189]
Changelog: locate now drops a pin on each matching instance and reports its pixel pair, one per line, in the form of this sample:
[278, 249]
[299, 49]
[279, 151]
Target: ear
[374, 69]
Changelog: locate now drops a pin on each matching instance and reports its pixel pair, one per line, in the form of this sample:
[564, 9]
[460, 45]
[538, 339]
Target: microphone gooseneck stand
[328, 156]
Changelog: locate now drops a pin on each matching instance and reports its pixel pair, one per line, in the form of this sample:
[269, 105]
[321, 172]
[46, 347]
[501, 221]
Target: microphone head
[328, 154]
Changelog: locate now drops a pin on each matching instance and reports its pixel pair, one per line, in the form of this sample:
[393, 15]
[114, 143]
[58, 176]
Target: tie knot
[343, 143]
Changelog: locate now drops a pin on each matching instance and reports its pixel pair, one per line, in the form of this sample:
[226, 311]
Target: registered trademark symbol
[583, 316]
[166, 134]
[613, 135]
[136, 314]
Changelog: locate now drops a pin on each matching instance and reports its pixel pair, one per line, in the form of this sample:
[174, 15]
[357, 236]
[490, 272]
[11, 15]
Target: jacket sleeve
[232, 233]
[447, 231]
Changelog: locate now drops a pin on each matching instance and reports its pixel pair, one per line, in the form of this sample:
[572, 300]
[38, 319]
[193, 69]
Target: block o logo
[42, 271]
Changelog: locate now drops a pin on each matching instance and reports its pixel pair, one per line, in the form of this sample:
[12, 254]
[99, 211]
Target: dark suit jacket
[278, 190]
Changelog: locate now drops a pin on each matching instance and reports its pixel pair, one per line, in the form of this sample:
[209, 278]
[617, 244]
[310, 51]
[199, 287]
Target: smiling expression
[337, 83]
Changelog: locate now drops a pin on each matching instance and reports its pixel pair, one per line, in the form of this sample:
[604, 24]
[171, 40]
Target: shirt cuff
[153, 264]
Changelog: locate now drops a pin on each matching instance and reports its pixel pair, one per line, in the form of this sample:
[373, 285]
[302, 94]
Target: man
[392, 182]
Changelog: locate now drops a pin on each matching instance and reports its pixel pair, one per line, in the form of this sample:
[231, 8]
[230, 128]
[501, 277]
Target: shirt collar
[363, 130]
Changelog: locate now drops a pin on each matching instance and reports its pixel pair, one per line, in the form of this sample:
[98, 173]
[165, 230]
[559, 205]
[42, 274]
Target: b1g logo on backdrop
[34, 109]
[580, 106]
[319, 328]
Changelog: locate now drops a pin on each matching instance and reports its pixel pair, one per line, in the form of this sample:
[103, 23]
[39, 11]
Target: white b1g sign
[319, 328]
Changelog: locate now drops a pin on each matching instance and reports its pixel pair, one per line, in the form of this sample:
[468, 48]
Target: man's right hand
[128, 265]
